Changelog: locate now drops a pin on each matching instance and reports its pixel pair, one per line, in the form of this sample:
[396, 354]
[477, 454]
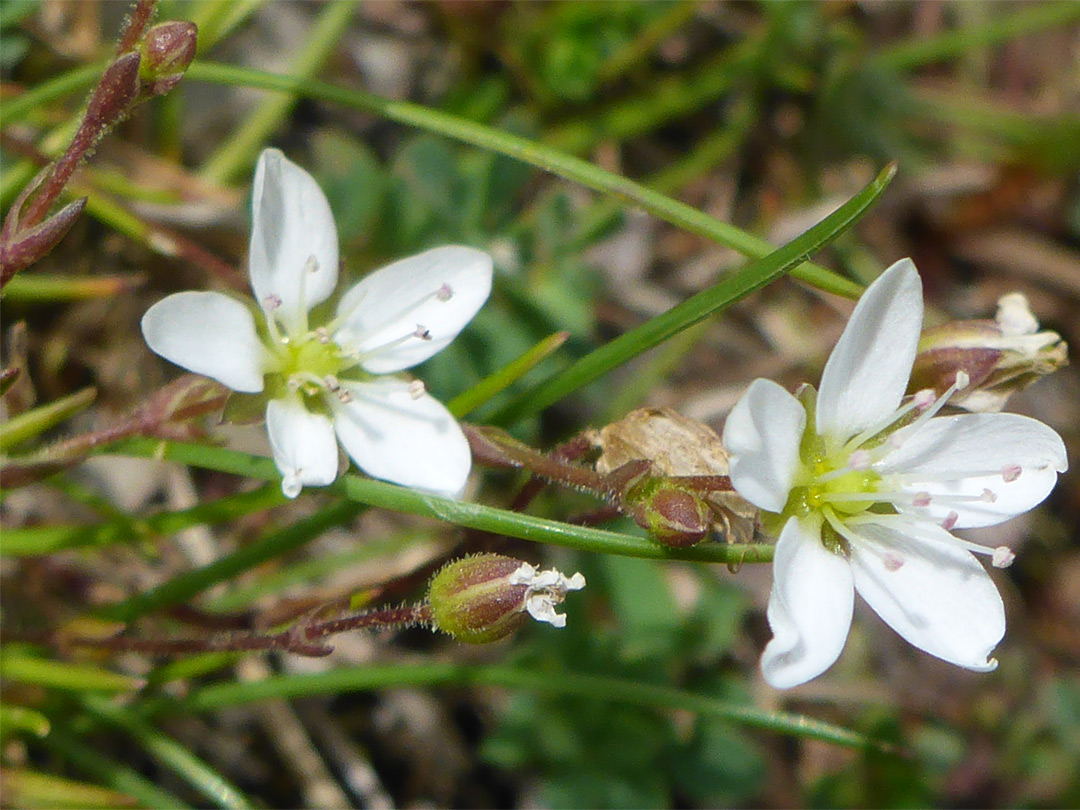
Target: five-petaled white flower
[338, 377]
[864, 485]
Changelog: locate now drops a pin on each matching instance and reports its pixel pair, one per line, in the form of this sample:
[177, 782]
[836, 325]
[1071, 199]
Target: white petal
[294, 244]
[210, 334]
[762, 436]
[809, 608]
[437, 292]
[1014, 458]
[303, 444]
[412, 441]
[867, 373]
[931, 590]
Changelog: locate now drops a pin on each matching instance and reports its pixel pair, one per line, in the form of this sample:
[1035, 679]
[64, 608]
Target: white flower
[544, 590]
[865, 486]
[326, 379]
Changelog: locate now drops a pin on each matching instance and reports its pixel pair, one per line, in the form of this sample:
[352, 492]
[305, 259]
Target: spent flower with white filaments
[864, 485]
[341, 377]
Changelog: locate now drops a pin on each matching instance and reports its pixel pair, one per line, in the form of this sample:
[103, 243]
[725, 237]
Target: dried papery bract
[678, 447]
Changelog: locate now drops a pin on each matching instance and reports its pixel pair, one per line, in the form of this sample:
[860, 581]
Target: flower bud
[167, 50]
[670, 514]
[1000, 357]
[484, 597]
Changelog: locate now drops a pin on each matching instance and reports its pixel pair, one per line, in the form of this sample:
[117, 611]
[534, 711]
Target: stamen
[345, 396]
[443, 293]
[1011, 472]
[950, 521]
[924, 399]
[1002, 557]
[416, 389]
[922, 500]
[272, 303]
[930, 412]
[322, 335]
[422, 332]
[332, 383]
[988, 496]
[311, 265]
[858, 441]
[893, 561]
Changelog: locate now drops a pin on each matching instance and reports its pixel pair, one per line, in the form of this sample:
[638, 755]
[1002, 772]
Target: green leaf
[63, 675]
[546, 158]
[593, 687]
[31, 789]
[643, 605]
[354, 182]
[653, 332]
[471, 515]
[32, 423]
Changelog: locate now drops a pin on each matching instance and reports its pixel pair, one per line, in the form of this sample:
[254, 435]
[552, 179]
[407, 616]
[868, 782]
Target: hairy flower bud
[484, 597]
[167, 50]
[670, 514]
[1000, 357]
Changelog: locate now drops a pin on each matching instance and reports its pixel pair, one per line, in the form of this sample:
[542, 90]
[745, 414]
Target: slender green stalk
[109, 772]
[64, 675]
[37, 540]
[730, 289]
[535, 154]
[181, 588]
[172, 755]
[594, 687]
[32, 423]
[669, 98]
[64, 85]
[502, 379]
[675, 16]
[237, 155]
[1028, 19]
[470, 515]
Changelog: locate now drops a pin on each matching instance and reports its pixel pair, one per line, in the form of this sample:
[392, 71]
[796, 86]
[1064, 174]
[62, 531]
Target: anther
[272, 303]
[988, 496]
[422, 332]
[962, 380]
[332, 383]
[322, 334]
[445, 293]
[893, 561]
[1002, 557]
[311, 265]
[344, 397]
[924, 399]
[1011, 472]
[950, 521]
[416, 389]
[921, 500]
[860, 460]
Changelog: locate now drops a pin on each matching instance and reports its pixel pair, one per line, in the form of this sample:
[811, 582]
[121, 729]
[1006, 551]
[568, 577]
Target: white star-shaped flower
[864, 486]
[336, 378]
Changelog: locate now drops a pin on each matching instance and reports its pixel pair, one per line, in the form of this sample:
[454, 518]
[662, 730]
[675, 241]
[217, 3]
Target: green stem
[535, 154]
[171, 754]
[732, 288]
[469, 515]
[1028, 19]
[567, 684]
[279, 542]
[237, 155]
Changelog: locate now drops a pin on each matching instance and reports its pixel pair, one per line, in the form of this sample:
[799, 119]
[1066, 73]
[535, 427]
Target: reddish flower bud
[670, 514]
[167, 50]
[484, 597]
